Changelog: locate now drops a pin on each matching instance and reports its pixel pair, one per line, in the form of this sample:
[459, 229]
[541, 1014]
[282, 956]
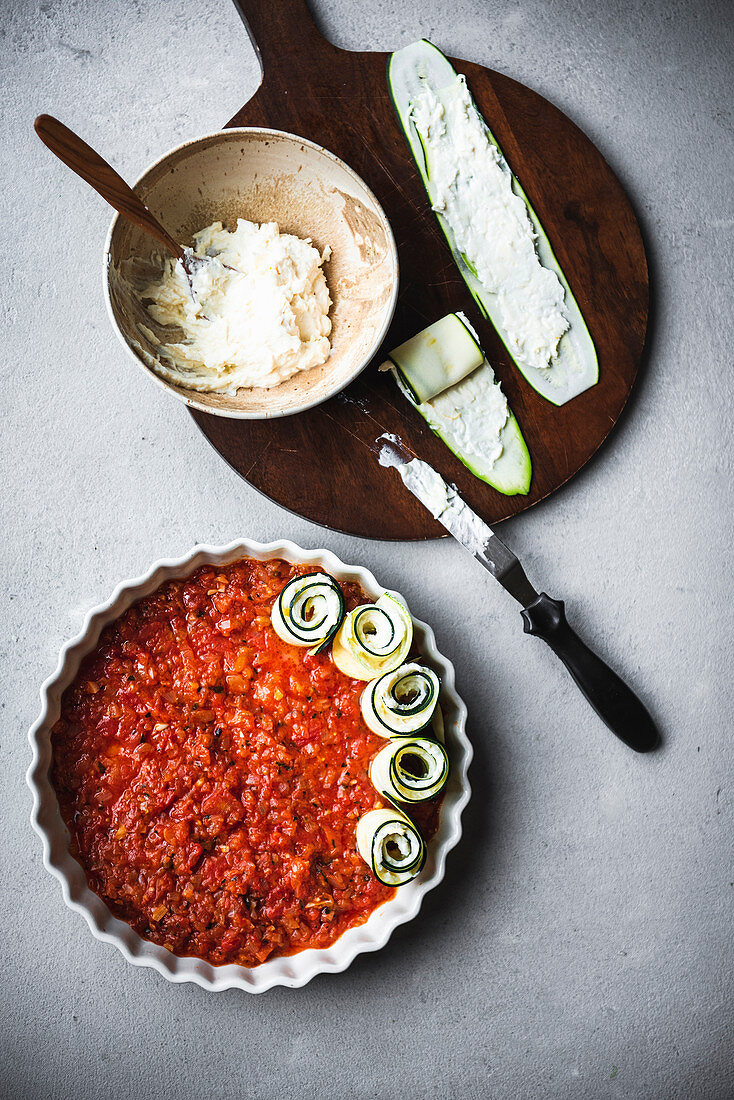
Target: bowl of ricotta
[297, 282]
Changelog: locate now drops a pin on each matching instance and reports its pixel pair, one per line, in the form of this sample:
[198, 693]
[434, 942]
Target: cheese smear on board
[473, 192]
[258, 314]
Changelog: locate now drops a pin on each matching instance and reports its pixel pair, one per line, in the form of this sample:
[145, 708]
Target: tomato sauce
[212, 776]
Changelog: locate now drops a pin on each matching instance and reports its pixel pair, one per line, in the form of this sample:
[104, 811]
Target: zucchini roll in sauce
[391, 846]
[410, 769]
[308, 611]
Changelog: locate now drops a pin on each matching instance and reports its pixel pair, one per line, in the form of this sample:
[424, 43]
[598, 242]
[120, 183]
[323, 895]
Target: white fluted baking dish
[292, 970]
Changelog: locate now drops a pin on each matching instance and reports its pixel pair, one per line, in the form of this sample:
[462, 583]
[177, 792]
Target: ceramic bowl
[293, 970]
[263, 175]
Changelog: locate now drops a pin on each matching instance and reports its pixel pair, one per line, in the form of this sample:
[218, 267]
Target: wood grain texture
[318, 464]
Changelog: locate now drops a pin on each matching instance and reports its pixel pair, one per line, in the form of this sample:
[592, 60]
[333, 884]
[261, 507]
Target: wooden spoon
[100, 175]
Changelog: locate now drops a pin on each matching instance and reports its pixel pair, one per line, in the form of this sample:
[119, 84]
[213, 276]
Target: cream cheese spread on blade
[258, 314]
[472, 189]
[441, 500]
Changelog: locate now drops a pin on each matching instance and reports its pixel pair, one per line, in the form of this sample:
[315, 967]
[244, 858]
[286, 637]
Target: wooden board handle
[284, 30]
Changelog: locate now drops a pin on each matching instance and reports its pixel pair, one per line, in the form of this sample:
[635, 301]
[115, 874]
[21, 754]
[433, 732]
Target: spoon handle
[83, 160]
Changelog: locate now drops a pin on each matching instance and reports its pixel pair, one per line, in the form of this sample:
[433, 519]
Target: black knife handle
[610, 697]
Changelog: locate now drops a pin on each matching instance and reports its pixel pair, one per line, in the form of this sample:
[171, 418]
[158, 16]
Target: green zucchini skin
[510, 474]
[576, 367]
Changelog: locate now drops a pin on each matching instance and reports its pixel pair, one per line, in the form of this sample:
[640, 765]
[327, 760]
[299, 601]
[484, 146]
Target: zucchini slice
[421, 68]
[373, 639]
[437, 357]
[470, 414]
[308, 611]
[401, 702]
[438, 726]
[410, 770]
[391, 846]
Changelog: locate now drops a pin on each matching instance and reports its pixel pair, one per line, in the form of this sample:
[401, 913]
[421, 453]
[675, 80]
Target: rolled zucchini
[442, 371]
[437, 357]
[391, 846]
[373, 639]
[410, 770]
[401, 702]
[308, 611]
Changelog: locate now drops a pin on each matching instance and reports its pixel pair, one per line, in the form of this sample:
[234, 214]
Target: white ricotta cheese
[471, 415]
[259, 312]
[472, 189]
[441, 500]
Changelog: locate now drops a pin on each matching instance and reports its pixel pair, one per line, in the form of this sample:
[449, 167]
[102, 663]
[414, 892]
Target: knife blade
[615, 703]
[445, 504]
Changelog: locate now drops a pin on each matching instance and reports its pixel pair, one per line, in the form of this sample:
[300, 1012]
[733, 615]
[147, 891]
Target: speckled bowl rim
[193, 401]
[294, 970]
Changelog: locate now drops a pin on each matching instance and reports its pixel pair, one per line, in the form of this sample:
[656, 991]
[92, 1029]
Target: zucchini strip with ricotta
[391, 846]
[438, 357]
[495, 236]
[308, 611]
[400, 702]
[410, 770]
[373, 639]
[443, 372]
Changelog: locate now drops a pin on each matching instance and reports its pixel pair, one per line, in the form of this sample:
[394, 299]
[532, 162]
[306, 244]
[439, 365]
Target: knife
[614, 702]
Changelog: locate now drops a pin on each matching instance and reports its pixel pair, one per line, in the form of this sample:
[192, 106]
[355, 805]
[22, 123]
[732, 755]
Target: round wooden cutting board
[319, 464]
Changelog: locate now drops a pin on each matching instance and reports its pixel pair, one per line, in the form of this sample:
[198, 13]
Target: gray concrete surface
[582, 943]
